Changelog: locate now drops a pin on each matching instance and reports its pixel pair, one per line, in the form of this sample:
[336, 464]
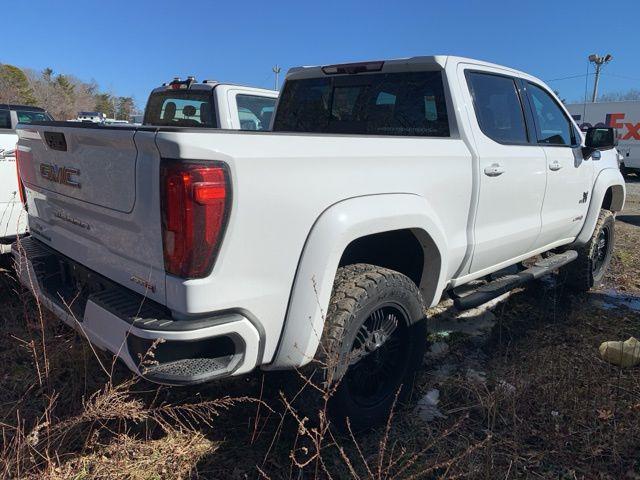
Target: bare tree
[61, 95]
[629, 95]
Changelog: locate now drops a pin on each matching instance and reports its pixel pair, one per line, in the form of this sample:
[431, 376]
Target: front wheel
[589, 269]
[373, 341]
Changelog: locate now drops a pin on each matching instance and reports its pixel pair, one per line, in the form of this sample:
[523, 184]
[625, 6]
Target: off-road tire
[588, 270]
[359, 291]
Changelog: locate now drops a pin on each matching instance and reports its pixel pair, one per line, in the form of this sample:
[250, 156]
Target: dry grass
[171, 456]
[548, 408]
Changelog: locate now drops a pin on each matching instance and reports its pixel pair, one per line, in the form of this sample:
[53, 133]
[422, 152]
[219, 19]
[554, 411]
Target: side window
[5, 119]
[498, 107]
[254, 112]
[552, 125]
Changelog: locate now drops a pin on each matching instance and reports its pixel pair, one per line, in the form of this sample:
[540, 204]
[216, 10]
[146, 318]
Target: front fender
[607, 178]
[330, 235]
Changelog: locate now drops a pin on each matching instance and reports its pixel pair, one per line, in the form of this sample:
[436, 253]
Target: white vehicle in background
[90, 117]
[13, 220]
[623, 116]
[136, 119]
[187, 103]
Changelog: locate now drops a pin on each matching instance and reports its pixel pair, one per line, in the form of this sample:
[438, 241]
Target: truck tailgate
[96, 166]
[86, 199]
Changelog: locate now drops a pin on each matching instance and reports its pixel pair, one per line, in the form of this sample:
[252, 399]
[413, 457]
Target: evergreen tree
[14, 86]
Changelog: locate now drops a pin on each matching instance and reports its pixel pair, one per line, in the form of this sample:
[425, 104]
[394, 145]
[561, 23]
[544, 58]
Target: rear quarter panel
[281, 185]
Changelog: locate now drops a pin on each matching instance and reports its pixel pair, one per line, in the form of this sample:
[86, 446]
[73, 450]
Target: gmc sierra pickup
[13, 219]
[383, 186]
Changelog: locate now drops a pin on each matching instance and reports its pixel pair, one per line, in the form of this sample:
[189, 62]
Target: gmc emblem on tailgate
[62, 175]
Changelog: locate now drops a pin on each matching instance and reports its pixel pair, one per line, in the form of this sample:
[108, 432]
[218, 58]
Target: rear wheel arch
[354, 222]
[410, 251]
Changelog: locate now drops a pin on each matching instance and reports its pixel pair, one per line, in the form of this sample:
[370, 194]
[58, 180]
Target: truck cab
[210, 104]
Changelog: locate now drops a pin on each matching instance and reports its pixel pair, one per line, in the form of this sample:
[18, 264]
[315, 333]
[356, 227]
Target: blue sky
[131, 46]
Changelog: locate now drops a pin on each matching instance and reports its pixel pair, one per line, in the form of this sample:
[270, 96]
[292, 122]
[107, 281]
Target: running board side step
[504, 284]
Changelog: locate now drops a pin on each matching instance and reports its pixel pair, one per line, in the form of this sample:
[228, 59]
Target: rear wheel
[589, 269]
[373, 341]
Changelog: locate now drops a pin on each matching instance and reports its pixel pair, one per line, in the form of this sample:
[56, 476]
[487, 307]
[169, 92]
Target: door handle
[555, 166]
[494, 170]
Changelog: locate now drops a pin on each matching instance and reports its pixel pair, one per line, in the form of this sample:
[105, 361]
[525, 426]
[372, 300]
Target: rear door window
[254, 112]
[5, 119]
[498, 107]
[178, 108]
[402, 104]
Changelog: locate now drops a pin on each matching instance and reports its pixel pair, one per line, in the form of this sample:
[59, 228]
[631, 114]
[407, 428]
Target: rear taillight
[21, 191]
[195, 206]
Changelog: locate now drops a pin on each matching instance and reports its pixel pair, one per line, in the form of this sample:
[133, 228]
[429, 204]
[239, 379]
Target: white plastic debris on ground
[624, 354]
[427, 407]
[506, 387]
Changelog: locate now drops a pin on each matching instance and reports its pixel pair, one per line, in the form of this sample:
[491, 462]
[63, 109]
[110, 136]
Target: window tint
[552, 125]
[406, 104]
[25, 116]
[498, 107]
[255, 112]
[5, 119]
[175, 108]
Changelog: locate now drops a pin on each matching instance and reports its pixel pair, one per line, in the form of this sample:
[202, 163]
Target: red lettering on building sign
[634, 131]
[612, 120]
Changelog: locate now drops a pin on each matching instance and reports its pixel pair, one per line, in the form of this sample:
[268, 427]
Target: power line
[621, 76]
[634, 79]
[567, 78]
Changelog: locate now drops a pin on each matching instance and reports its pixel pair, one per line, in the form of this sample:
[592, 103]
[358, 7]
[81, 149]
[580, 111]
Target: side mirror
[599, 138]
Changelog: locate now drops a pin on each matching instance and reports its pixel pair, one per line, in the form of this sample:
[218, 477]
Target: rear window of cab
[28, 116]
[399, 104]
[179, 108]
[24, 116]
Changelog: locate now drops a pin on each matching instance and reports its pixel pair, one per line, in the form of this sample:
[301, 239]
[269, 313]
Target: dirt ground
[514, 391]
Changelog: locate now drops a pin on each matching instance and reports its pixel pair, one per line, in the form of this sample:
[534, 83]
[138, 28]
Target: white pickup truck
[13, 220]
[383, 186]
[210, 104]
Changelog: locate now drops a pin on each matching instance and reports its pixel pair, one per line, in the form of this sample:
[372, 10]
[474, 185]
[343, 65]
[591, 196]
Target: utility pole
[598, 61]
[276, 70]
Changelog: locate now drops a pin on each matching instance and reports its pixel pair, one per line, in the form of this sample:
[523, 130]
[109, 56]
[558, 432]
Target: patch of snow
[427, 407]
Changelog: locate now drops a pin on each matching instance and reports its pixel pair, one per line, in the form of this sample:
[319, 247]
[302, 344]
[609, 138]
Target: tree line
[63, 96]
